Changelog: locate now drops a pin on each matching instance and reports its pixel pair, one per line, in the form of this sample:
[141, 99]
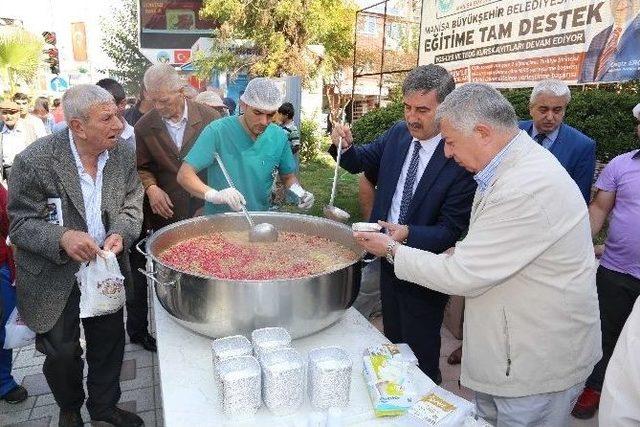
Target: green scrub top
[250, 163]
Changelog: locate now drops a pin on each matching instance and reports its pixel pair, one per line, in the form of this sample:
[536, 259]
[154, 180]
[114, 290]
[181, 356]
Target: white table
[190, 394]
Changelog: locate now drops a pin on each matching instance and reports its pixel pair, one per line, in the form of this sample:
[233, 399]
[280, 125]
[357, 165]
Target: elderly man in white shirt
[14, 135]
[526, 267]
[35, 123]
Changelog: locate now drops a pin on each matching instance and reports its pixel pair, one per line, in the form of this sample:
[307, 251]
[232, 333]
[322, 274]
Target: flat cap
[9, 105]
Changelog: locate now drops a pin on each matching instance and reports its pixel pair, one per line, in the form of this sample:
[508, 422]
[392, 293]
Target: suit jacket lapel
[396, 168]
[431, 172]
[193, 121]
[68, 172]
[110, 172]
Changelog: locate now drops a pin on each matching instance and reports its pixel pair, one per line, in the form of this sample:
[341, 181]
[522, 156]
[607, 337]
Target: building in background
[78, 34]
[386, 41]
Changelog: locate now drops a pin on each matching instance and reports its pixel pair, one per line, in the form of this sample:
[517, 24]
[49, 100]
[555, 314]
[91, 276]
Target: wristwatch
[389, 256]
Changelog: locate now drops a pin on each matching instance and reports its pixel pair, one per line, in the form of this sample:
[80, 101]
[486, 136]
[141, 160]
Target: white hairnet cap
[263, 94]
[636, 111]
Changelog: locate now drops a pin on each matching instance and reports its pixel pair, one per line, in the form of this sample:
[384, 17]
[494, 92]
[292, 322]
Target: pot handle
[152, 276]
[140, 250]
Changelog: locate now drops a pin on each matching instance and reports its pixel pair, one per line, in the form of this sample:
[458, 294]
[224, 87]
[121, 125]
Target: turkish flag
[181, 56]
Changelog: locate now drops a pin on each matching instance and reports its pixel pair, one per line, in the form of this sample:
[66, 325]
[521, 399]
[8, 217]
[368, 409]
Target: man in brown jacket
[164, 135]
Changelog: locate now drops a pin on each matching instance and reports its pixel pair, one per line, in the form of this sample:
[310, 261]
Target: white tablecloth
[190, 394]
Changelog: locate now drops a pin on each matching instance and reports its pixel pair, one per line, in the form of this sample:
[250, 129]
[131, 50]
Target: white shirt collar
[102, 158]
[183, 119]
[425, 143]
[5, 129]
[127, 132]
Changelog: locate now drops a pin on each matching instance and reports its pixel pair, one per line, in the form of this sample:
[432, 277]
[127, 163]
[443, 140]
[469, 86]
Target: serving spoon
[330, 211]
[263, 232]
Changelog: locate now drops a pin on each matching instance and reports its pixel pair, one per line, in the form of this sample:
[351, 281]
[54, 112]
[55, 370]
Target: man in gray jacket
[526, 267]
[72, 194]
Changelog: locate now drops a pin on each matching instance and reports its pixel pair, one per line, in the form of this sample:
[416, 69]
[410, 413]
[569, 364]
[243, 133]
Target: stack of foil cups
[240, 385]
[266, 340]
[329, 377]
[227, 347]
[283, 381]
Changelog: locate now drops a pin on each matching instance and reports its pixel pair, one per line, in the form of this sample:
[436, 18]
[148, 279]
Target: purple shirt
[622, 248]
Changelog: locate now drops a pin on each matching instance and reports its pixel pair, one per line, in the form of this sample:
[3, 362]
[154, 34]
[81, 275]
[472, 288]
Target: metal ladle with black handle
[330, 211]
[263, 232]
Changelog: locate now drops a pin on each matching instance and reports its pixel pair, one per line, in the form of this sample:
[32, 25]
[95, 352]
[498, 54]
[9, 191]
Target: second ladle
[330, 211]
[263, 232]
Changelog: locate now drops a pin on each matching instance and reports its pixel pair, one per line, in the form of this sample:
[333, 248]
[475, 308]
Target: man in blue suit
[417, 186]
[573, 149]
[613, 53]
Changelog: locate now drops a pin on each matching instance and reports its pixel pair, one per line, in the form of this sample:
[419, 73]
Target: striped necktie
[539, 138]
[410, 180]
[608, 53]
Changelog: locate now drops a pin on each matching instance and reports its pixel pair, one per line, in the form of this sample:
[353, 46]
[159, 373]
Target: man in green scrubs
[251, 147]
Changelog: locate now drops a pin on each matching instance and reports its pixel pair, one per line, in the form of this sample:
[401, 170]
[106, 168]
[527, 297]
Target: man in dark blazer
[613, 53]
[573, 149]
[164, 135]
[417, 186]
[72, 194]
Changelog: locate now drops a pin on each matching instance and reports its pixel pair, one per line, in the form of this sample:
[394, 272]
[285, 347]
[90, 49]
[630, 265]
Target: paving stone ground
[139, 381]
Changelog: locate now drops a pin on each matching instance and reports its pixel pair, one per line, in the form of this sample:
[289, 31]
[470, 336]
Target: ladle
[263, 232]
[330, 211]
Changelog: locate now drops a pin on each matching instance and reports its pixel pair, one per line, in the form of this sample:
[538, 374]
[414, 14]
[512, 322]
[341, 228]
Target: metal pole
[420, 34]
[353, 69]
[384, 39]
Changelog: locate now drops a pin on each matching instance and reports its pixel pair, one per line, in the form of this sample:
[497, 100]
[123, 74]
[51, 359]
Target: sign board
[171, 24]
[174, 57]
[58, 84]
[517, 42]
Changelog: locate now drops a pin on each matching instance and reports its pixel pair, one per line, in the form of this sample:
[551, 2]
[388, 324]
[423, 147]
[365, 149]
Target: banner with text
[517, 42]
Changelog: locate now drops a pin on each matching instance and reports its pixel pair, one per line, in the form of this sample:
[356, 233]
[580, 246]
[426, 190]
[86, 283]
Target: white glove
[306, 201]
[306, 198]
[229, 196]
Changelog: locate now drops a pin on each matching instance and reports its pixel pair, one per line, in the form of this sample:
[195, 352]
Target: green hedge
[310, 141]
[603, 115]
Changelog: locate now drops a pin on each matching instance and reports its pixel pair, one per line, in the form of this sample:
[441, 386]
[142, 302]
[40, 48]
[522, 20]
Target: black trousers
[413, 315]
[63, 365]
[137, 298]
[617, 292]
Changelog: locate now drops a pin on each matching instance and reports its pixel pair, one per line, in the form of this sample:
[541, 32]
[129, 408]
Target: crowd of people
[540, 324]
[473, 203]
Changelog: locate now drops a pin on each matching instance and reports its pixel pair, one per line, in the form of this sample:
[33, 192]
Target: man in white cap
[213, 100]
[251, 147]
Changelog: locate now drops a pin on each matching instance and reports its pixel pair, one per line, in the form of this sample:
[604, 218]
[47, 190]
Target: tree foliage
[120, 43]
[274, 36]
[603, 113]
[21, 54]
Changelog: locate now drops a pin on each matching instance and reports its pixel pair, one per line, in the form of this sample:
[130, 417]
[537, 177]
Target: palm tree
[20, 56]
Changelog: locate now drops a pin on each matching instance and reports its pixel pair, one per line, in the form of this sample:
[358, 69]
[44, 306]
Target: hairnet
[263, 94]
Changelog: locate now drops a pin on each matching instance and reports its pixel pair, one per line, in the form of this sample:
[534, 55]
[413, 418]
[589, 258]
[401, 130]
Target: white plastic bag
[101, 286]
[17, 334]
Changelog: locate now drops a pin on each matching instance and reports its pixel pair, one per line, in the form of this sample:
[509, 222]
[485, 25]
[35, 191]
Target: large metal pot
[215, 307]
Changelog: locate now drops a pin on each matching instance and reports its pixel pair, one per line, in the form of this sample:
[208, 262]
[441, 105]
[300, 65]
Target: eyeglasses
[9, 112]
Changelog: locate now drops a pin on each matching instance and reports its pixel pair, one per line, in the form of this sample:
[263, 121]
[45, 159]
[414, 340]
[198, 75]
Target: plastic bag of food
[16, 333]
[395, 351]
[390, 388]
[101, 286]
[437, 408]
